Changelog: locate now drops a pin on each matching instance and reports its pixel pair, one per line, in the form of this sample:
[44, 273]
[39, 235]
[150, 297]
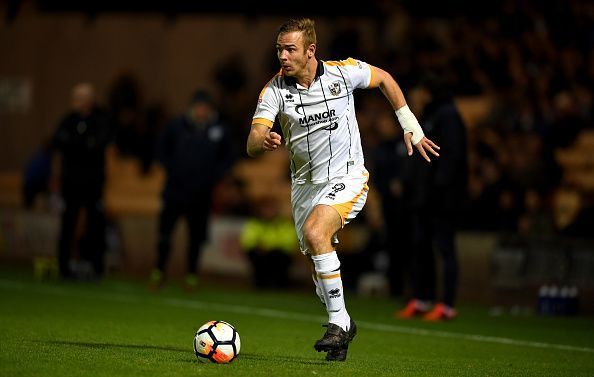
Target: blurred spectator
[193, 149]
[437, 199]
[270, 242]
[581, 225]
[81, 139]
[346, 40]
[37, 174]
[233, 98]
[136, 126]
[386, 160]
[567, 122]
[537, 220]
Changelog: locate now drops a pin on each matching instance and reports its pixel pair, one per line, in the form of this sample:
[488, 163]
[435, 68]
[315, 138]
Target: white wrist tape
[409, 123]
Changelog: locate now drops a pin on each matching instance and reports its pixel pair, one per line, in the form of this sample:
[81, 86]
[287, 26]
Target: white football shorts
[346, 194]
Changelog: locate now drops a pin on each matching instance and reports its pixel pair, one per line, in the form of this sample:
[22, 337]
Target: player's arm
[261, 140]
[413, 133]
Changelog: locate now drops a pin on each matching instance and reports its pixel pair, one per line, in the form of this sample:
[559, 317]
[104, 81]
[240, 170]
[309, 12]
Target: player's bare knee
[314, 235]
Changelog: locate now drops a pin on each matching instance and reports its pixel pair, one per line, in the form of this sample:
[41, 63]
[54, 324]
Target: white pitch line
[281, 314]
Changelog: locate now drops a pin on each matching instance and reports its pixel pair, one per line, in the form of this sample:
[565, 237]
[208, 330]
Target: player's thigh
[347, 195]
[324, 220]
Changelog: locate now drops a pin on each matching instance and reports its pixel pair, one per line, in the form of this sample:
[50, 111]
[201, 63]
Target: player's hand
[272, 141]
[422, 146]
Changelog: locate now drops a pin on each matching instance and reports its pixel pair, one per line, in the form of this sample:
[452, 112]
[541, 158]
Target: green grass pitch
[118, 328]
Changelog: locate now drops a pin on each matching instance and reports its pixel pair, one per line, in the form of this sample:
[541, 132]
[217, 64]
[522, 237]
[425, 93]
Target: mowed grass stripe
[280, 314]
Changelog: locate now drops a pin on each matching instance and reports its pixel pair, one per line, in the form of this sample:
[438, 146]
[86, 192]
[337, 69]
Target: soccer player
[313, 101]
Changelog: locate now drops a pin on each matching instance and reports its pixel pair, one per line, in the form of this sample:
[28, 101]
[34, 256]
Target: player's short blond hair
[305, 26]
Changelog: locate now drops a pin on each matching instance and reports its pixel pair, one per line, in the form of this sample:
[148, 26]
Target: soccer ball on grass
[217, 342]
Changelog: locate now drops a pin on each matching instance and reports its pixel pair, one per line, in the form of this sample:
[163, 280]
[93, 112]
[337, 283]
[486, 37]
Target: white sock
[318, 289]
[327, 267]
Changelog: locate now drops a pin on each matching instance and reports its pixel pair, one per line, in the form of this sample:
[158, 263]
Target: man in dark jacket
[388, 160]
[195, 151]
[81, 139]
[437, 197]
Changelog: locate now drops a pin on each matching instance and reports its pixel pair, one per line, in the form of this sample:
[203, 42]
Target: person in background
[193, 150]
[80, 142]
[389, 162]
[270, 242]
[437, 196]
[37, 174]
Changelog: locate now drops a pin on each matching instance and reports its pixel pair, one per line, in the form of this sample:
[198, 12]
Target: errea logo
[334, 293]
[289, 97]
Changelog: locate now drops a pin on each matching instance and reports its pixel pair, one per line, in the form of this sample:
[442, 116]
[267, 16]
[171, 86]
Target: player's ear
[311, 50]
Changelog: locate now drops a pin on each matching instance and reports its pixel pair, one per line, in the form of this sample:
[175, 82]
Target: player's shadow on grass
[281, 358]
[248, 356]
[114, 345]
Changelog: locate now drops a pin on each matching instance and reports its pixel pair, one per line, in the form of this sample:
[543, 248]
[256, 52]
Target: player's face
[291, 53]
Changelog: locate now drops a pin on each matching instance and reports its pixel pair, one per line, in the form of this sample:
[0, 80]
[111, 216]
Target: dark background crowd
[521, 73]
[530, 62]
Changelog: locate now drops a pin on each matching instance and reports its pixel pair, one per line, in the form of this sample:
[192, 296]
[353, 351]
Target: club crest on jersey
[336, 188]
[334, 88]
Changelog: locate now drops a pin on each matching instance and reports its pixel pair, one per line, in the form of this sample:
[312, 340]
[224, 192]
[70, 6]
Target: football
[217, 342]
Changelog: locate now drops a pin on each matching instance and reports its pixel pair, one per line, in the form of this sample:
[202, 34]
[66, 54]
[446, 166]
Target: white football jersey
[318, 123]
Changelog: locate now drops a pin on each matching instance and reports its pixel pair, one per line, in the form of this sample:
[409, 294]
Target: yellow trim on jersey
[342, 63]
[268, 84]
[372, 83]
[328, 276]
[263, 121]
[345, 208]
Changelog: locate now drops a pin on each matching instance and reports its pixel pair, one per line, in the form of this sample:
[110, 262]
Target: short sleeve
[268, 105]
[360, 73]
